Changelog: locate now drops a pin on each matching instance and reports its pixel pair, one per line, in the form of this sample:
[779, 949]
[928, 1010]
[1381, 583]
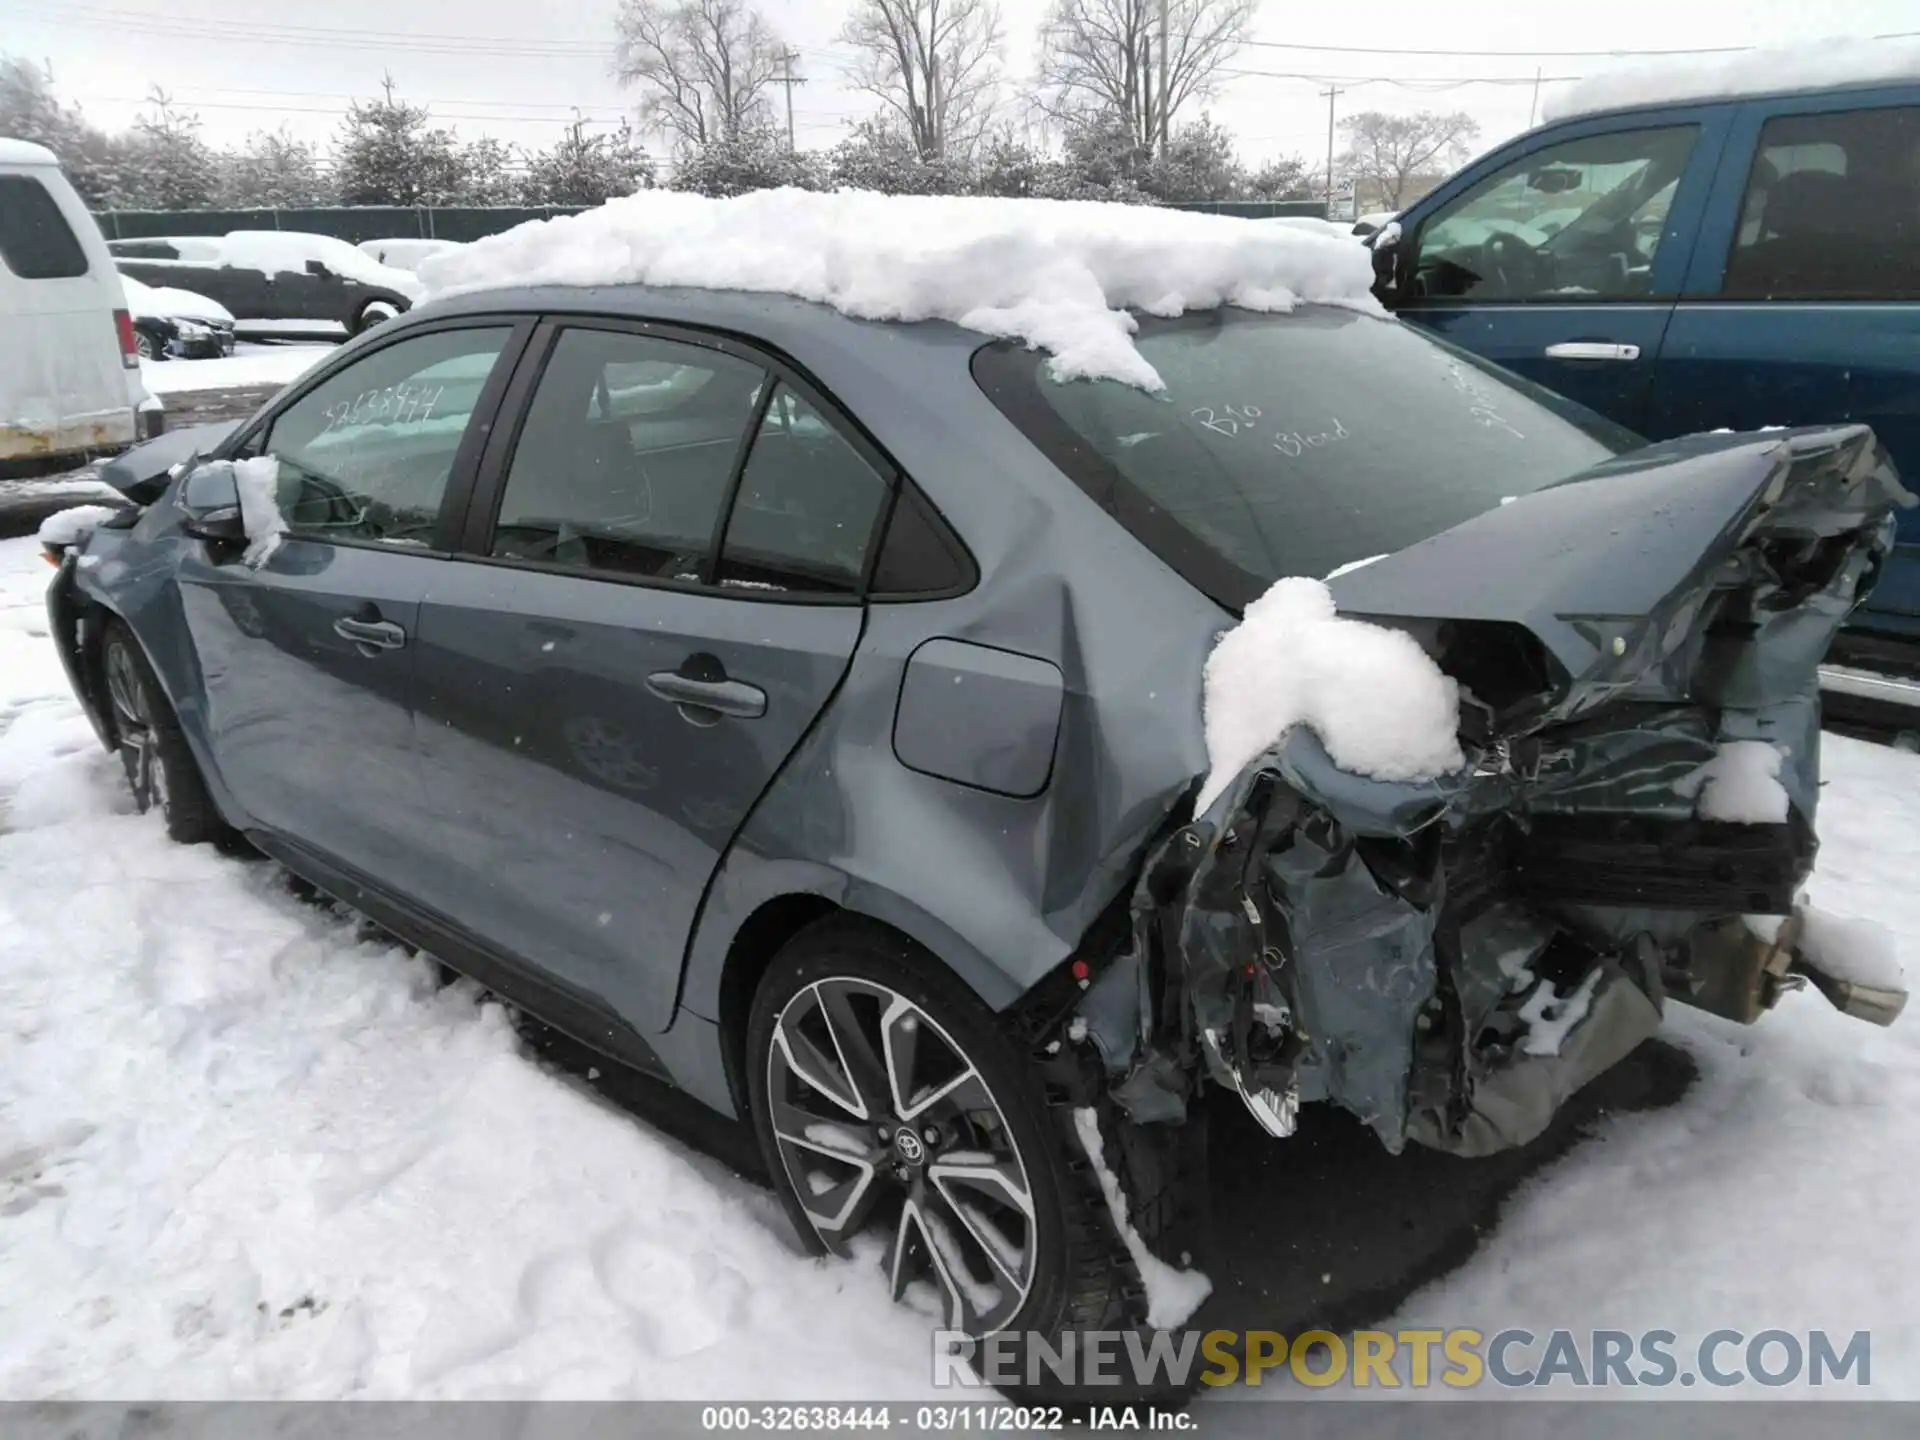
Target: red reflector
[129, 347]
[1081, 969]
[51, 558]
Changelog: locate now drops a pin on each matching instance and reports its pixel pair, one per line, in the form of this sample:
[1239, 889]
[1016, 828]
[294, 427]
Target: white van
[70, 383]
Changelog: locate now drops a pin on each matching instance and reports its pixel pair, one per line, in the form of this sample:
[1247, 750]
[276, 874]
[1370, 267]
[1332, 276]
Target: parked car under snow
[274, 275]
[832, 716]
[171, 324]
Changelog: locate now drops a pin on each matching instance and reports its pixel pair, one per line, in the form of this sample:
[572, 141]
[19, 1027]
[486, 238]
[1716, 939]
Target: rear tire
[160, 768]
[371, 314]
[856, 1033]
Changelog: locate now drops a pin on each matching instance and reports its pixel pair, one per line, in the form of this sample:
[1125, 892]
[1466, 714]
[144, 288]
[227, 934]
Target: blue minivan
[1737, 262]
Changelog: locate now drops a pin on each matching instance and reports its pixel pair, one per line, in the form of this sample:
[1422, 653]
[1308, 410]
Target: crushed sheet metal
[1374, 944]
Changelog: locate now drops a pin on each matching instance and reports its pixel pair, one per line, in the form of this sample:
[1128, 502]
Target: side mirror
[319, 269]
[1385, 245]
[1553, 180]
[211, 503]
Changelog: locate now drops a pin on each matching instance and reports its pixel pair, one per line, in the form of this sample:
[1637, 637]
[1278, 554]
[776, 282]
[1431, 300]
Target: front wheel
[160, 768]
[889, 1104]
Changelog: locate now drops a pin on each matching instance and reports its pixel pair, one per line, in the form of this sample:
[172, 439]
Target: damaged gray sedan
[812, 712]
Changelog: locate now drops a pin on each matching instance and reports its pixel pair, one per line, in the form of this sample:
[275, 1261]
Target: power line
[122, 22]
[1530, 54]
[1493, 54]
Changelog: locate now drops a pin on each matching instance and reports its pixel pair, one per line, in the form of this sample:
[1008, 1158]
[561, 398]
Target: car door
[1802, 305]
[1560, 256]
[663, 589]
[306, 661]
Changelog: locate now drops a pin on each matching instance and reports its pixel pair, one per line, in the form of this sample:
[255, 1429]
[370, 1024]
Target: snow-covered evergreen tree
[29, 110]
[584, 169]
[756, 159]
[388, 153]
[880, 155]
[271, 170]
[169, 167]
[1198, 163]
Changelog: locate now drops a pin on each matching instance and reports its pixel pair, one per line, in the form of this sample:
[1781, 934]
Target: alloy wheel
[133, 725]
[885, 1125]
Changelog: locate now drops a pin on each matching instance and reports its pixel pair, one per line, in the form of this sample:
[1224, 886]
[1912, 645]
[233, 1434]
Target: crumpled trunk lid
[1450, 959]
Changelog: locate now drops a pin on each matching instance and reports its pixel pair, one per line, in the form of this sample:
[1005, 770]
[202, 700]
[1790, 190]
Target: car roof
[25, 152]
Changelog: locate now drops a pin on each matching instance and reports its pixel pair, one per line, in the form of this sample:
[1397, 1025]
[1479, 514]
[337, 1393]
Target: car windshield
[1295, 444]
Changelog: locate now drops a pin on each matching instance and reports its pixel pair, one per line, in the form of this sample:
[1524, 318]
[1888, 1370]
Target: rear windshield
[35, 240]
[1294, 444]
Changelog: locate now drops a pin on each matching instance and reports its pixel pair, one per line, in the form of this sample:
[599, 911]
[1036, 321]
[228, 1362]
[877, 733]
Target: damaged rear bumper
[1450, 960]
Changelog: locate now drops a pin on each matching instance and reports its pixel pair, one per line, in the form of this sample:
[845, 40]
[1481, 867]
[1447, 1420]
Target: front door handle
[370, 635]
[724, 697]
[1592, 350]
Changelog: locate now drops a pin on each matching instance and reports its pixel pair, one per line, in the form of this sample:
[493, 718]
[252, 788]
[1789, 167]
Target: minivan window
[1294, 444]
[1831, 210]
[36, 243]
[1581, 220]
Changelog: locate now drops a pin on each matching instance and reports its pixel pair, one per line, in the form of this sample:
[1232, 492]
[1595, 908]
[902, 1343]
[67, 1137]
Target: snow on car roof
[1058, 275]
[25, 152]
[1819, 65]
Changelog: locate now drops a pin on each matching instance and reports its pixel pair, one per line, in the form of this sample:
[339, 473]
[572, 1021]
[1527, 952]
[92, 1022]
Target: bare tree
[1388, 151]
[1102, 57]
[704, 65]
[934, 64]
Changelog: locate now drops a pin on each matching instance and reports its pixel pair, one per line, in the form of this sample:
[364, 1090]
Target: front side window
[1294, 444]
[626, 455]
[1578, 220]
[1831, 210]
[807, 505]
[366, 454]
[36, 243]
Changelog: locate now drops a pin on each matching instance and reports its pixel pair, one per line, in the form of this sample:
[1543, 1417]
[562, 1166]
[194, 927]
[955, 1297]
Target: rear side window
[921, 556]
[1831, 210]
[35, 240]
[1294, 444]
[625, 459]
[807, 506]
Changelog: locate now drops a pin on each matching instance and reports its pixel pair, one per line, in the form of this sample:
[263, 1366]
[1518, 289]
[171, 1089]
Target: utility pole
[1330, 92]
[1163, 77]
[787, 78]
[1534, 109]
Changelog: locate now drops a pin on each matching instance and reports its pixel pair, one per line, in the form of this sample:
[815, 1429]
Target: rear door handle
[1592, 350]
[727, 697]
[370, 635]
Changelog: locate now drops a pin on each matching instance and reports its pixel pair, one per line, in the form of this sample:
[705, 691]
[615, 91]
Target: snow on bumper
[1450, 959]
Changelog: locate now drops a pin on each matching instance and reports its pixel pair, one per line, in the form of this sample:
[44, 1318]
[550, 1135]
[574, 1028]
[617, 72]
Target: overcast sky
[496, 67]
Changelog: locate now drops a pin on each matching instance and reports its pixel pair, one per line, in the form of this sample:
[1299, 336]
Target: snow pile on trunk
[1376, 699]
[1748, 72]
[1172, 1295]
[71, 526]
[1057, 275]
[256, 481]
[1740, 784]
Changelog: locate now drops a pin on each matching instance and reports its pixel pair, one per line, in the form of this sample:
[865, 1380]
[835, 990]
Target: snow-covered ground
[245, 1151]
[248, 365]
